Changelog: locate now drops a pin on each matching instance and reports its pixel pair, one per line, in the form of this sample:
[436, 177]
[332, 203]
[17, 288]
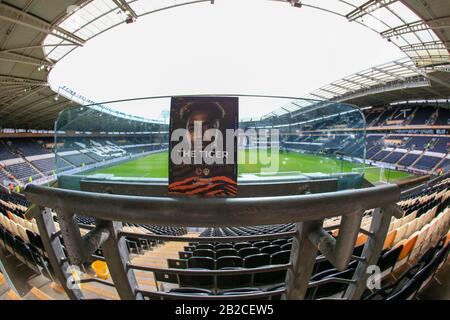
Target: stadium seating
[22, 170]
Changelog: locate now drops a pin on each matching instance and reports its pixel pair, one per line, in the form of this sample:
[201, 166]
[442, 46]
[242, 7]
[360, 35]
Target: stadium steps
[157, 258]
[3, 285]
[374, 155]
[97, 290]
[404, 155]
[7, 173]
[37, 294]
[418, 159]
[440, 162]
[10, 295]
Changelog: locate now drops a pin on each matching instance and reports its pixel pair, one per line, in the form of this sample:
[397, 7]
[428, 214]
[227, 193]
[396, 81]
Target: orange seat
[362, 238]
[408, 245]
[389, 239]
[447, 239]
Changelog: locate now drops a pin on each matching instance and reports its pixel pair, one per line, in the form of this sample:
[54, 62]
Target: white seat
[15, 229]
[28, 225]
[411, 228]
[400, 233]
[23, 233]
[35, 228]
[421, 240]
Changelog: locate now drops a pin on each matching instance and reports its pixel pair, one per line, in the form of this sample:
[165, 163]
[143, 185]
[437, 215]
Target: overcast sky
[231, 47]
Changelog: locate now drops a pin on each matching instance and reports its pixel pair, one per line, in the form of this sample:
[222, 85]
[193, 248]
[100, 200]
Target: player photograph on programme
[200, 165]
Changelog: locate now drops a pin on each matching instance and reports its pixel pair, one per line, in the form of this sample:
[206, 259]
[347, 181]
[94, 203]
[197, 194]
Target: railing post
[55, 253]
[381, 219]
[303, 258]
[117, 257]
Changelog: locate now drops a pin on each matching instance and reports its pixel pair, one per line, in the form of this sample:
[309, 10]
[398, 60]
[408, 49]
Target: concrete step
[11, 295]
[36, 294]
[96, 290]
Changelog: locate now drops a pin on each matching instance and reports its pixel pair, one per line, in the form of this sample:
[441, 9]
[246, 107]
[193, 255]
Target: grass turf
[156, 166]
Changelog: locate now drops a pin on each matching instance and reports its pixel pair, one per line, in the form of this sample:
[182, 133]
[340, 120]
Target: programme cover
[202, 161]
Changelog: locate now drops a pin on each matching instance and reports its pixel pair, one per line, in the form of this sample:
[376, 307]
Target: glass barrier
[300, 139]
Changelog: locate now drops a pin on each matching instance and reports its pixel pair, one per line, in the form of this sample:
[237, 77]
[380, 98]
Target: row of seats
[408, 238]
[246, 231]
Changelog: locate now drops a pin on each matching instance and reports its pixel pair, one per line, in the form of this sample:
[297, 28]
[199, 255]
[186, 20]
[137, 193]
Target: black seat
[223, 246]
[10, 241]
[240, 291]
[184, 254]
[234, 280]
[358, 250]
[245, 252]
[270, 249]
[191, 291]
[287, 246]
[177, 263]
[205, 246]
[387, 261]
[201, 262]
[280, 257]
[331, 288]
[240, 245]
[204, 253]
[229, 262]
[279, 242]
[276, 288]
[261, 244]
[226, 252]
[35, 239]
[257, 260]
[200, 281]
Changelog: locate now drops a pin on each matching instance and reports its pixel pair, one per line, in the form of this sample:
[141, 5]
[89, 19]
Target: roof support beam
[43, 110]
[19, 58]
[432, 45]
[27, 94]
[360, 85]
[28, 107]
[319, 96]
[40, 46]
[123, 5]
[420, 25]
[425, 74]
[370, 78]
[389, 73]
[14, 15]
[340, 87]
[19, 80]
[368, 8]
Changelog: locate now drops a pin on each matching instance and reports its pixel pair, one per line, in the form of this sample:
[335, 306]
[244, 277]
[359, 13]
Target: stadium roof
[398, 80]
[35, 35]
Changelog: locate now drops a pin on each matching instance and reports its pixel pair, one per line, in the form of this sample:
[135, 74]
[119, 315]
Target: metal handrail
[306, 211]
[205, 272]
[252, 295]
[258, 237]
[213, 212]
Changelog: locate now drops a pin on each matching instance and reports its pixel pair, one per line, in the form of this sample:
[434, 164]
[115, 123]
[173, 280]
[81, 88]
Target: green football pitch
[289, 163]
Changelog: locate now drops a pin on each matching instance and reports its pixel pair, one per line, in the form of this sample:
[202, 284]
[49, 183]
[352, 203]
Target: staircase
[156, 257]
[41, 289]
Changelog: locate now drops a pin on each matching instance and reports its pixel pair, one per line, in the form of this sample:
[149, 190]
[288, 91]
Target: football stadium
[221, 150]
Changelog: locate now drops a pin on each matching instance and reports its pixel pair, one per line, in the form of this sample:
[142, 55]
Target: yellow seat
[101, 269]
